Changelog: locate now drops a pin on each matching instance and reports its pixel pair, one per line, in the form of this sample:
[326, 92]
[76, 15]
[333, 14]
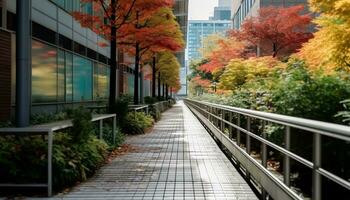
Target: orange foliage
[278, 31]
[227, 50]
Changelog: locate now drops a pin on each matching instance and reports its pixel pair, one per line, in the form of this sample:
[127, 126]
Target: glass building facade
[250, 8]
[199, 29]
[61, 76]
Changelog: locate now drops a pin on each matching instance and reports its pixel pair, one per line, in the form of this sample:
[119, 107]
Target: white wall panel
[42, 19]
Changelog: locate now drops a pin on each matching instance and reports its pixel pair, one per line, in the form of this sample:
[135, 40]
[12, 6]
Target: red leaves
[201, 82]
[227, 50]
[276, 30]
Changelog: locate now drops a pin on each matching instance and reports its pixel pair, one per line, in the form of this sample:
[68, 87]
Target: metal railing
[229, 125]
[49, 131]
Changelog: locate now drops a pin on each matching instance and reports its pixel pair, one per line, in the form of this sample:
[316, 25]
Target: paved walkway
[178, 160]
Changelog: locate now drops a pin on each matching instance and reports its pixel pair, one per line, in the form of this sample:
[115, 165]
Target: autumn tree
[329, 50]
[169, 71]
[225, 50]
[277, 30]
[109, 16]
[165, 35]
[240, 71]
[150, 32]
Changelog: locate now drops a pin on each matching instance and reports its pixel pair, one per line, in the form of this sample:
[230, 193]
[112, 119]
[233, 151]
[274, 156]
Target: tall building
[181, 13]
[199, 29]
[67, 67]
[222, 11]
[241, 9]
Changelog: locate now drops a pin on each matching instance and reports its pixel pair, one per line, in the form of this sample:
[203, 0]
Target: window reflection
[82, 81]
[101, 81]
[44, 73]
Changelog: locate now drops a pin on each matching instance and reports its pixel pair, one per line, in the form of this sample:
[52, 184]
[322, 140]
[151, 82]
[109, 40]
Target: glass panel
[76, 5]
[82, 82]
[44, 73]
[68, 5]
[60, 76]
[59, 3]
[101, 81]
[69, 77]
[96, 74]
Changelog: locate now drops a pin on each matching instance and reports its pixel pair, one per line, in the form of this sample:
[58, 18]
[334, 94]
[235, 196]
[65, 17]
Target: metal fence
[233, 129]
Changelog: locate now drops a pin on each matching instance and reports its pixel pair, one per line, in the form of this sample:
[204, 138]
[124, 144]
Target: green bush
[137, 123]
[77, 154]
[154, 112]
[301, 94]
[121, 108]
[43, 118]
[150, 100]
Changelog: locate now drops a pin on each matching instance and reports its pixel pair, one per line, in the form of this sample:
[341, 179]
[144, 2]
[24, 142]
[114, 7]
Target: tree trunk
[120, 74]
[163, 91]
[274, 50]
[136, 80]
[167, 91]
[159, 85]
[154, 77]
[113, 55]
[171, 92]
[141, 85]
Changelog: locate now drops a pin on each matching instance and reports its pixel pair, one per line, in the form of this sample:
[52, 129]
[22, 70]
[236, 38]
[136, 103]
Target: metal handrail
[49, 130]
[214, 116]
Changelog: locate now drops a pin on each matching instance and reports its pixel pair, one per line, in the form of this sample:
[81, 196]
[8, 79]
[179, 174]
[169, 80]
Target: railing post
[230, 127]
[264, 158]
[316, 177]
[222, 124]
[264, 147]
[49, 163]
[248, 145]
[114, 128]
[286, 164]
[238, 131]
[101, 129]
[247, 136]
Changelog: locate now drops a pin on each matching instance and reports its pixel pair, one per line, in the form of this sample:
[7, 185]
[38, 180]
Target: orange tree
[149, 33]
[169, 72]
[159, 33]
[109, 16]
[277, 30]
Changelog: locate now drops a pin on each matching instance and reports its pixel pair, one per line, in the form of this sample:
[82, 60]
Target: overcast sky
[201, 9]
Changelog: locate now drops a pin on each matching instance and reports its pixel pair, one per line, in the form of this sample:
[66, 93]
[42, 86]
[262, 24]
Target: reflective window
[44, 73]
[101, 81]
[82, 81]
[69, 77]
[61, 76]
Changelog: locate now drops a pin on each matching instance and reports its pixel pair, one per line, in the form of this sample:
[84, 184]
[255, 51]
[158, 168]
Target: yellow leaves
[209, 44]
[169, 68]
[240, 71]
[329, 50]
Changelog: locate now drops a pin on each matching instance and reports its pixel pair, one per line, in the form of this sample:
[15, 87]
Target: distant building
[223, 10]
[241, 9]
[199, 29]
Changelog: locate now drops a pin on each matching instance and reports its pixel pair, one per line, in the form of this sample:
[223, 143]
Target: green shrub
[77, 154]
[154, 112]
[137, 123]
[311, 96]
[121, 108]
[150, 100]
[43, 118]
